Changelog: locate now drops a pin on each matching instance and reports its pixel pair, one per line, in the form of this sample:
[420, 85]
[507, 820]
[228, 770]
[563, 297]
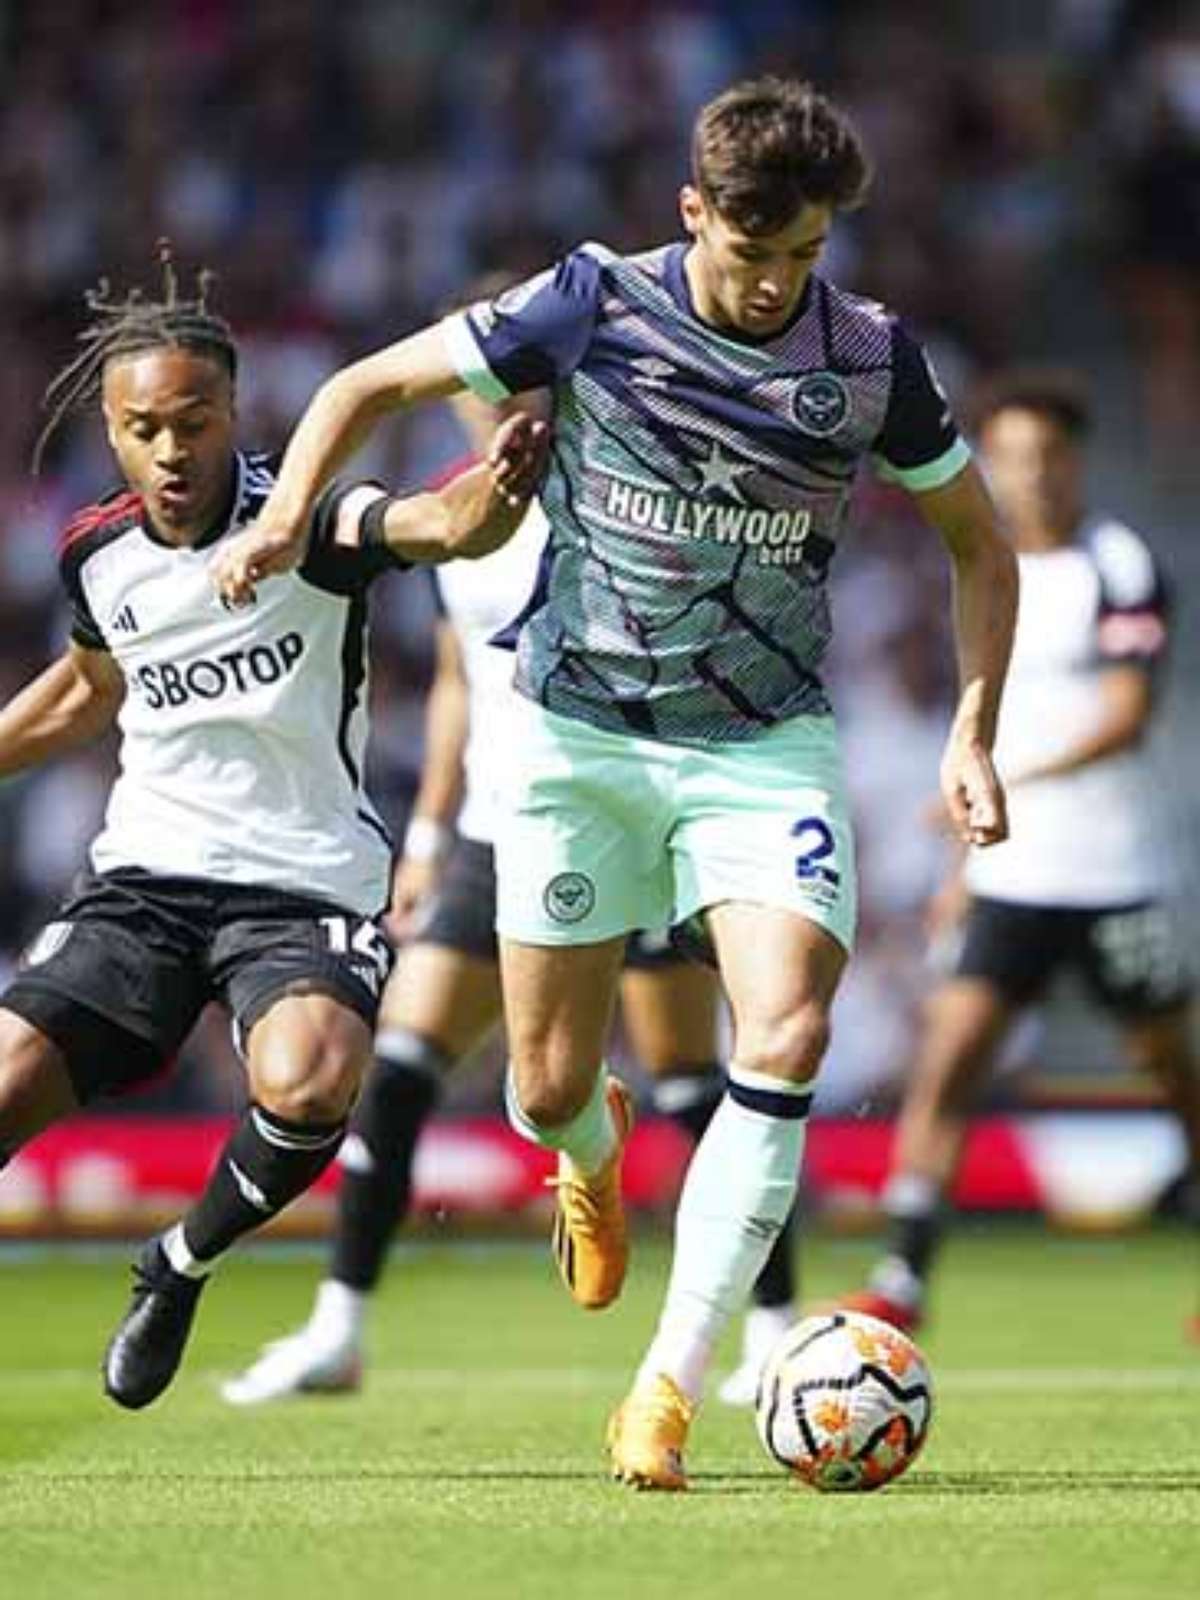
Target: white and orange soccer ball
[844, 1401]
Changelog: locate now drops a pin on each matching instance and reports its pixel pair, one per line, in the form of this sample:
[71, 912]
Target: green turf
[1064, 1459]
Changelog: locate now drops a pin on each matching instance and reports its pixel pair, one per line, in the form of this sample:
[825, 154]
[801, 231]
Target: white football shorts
[599, 833]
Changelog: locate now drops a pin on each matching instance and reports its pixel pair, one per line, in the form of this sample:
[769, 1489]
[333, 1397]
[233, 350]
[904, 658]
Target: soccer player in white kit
[444, 996]
[240, 858]
[1081, 881]
[713, 400]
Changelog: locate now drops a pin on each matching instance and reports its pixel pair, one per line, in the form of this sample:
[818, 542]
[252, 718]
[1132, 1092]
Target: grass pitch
[1064, 1458]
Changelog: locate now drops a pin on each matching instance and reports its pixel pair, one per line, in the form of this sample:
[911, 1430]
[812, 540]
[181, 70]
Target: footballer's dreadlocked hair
[121, 327]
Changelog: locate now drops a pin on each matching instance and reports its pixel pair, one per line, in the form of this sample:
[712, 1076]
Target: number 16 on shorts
[363, 945]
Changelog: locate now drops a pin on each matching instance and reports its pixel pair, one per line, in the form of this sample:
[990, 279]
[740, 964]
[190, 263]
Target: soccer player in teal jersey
[676, 756]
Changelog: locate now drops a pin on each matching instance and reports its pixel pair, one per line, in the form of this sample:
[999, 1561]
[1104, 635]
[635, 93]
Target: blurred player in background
[1080, 882]
[713, 400]
[240, 858]
[444, 997]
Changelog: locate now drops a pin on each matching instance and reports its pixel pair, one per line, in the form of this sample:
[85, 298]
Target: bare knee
[959, 1037]
[307, 1069]
[321, 1090]
[35, 1086]
[789, 1046]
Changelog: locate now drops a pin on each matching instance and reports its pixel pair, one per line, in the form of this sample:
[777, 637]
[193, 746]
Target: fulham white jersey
[1087, 838]
[243, 731]
[478, 599]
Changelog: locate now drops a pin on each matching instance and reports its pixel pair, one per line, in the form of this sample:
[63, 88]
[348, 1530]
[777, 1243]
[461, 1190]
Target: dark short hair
[1052, 392]
[767, 147]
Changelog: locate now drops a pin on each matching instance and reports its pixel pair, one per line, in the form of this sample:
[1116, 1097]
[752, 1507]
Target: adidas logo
[125, 621]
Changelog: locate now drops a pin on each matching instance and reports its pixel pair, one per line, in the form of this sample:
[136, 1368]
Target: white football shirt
[242, 731]
[1089, 837]
[479, 598]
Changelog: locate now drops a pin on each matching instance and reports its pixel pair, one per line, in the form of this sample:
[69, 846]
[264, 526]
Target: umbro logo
[653, 367]
[125, 621]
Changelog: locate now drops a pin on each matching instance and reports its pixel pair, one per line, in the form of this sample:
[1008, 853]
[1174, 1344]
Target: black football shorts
[1128, 956]
[120, 976]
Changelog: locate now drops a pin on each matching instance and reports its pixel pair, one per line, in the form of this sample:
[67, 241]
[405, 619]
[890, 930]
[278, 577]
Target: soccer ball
[844, 1401]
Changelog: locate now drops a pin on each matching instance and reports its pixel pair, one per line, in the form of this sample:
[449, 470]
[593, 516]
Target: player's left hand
[413, 883]
[973, 794]
[517, 457]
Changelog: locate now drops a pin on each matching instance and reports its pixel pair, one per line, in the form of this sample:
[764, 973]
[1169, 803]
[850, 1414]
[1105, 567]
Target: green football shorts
[599, 833]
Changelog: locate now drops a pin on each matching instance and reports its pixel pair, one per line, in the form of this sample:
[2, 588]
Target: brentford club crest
[821, 403]
[569, 897]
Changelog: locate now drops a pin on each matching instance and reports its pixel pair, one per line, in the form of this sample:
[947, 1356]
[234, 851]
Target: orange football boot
[646, 1436]
[589, 1237]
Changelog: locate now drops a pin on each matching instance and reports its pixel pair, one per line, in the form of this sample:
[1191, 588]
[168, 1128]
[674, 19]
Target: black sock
[267, 1162]
[775, 1285]
[915, 1237]
[377, 1159]
[690, 1098]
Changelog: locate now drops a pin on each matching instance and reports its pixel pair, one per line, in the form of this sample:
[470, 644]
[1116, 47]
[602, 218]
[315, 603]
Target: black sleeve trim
[918, 427]
[339, 568]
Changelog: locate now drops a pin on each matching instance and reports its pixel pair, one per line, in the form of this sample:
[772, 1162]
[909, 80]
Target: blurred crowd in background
[346, 167]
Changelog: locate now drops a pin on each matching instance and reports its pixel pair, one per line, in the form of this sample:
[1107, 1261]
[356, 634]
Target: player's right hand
[973, 794]
[266, 547]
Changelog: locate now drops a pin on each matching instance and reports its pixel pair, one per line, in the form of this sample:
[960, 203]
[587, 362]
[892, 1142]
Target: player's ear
[691, 208]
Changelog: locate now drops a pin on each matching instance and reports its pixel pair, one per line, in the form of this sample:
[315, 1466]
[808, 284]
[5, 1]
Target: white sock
[763, 1328]
[895, 1280]
[339, 1312]
[910, 1194]
[739, 1189]
[587, 1140]
[175, 1248]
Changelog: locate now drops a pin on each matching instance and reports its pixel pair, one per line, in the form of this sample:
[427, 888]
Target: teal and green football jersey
[698, 486]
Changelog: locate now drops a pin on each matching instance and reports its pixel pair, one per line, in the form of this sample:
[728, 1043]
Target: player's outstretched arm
[339, 418]
[475, 512]
[481, 508]
[72, 702]
[985, 612]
